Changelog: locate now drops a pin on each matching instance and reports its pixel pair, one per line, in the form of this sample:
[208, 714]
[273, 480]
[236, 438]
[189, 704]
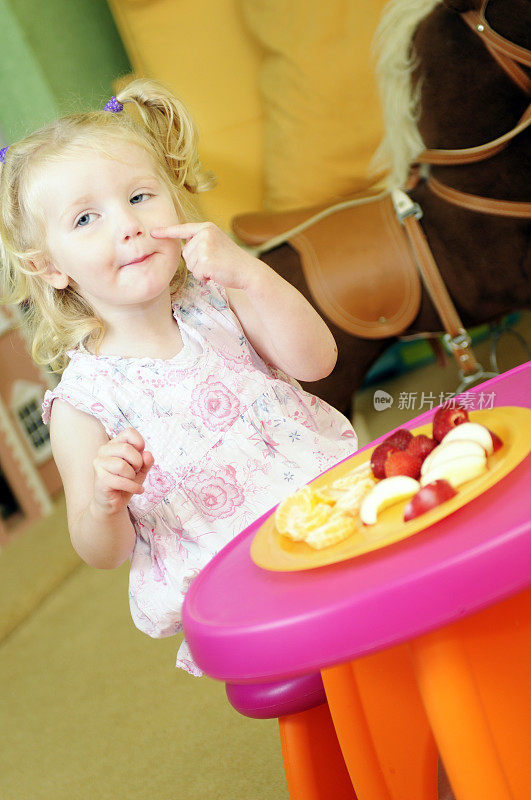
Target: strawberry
[378, 457]
[446, 418]
[421, 445]
[402, 463]
[400, 439]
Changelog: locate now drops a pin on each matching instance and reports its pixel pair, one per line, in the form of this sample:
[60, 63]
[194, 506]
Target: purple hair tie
[113, 105]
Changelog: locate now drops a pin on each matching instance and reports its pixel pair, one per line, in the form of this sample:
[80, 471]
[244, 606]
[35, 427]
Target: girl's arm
[284, 328]
[99, 477]
[278, 321]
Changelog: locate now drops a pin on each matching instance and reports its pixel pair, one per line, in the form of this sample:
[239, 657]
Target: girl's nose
[131, 226]
[132, 231]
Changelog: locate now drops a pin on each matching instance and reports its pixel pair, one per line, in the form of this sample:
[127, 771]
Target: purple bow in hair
[113, 105]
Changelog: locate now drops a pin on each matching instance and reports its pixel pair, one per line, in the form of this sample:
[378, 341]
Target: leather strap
[507, 54]
[500, 49]
[491, 39]
[265, 230]
[515, 73]
[457, 337]
[470, 155]
[483, 205]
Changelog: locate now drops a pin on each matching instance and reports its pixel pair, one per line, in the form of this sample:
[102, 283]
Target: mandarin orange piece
[301, 527]
[337, 528]
[299, 513]
[295, 506]
[351, 499]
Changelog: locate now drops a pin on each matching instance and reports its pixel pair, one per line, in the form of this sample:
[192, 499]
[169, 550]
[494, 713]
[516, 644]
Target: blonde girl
[175, 424]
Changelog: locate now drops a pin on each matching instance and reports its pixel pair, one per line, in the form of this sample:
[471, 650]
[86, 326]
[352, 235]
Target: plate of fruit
[399, 488]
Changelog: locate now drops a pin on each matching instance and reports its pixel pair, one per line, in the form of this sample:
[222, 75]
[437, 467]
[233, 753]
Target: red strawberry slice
[446, 418]
[402, 463]
[400, 439]
[421, 445]
[378, 457]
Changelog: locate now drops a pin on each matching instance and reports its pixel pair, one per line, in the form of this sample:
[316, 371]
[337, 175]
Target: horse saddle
[356, 260]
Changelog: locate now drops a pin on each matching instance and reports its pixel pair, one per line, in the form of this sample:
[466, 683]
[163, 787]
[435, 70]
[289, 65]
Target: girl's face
[99, 212]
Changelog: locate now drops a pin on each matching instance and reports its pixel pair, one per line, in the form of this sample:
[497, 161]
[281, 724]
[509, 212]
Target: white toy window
[26, 408]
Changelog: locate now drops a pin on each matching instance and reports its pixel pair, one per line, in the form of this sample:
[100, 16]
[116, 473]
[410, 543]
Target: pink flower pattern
[230, 435]
[215, 494]
[157, 484]
[215, 404]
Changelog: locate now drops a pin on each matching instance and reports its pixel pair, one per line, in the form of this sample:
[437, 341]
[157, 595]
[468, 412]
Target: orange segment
[321, 517]
[328, 495]
[351, 499]
[294, 508]
[336, 528]
[347, 492]
[300, 528]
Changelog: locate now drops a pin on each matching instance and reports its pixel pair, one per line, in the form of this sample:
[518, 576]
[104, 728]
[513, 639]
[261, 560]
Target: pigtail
[172, 130]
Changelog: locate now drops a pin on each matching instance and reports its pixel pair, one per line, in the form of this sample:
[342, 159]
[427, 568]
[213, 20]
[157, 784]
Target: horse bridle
[509, 56]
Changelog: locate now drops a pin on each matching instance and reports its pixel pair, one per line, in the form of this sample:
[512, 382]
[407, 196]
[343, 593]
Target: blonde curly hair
[58, 320]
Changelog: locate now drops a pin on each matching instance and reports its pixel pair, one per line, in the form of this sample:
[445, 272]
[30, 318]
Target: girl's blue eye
[137, 198]
[83, 220]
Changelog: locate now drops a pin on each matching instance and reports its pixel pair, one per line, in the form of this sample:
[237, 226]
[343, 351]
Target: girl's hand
[211, 254]
[120, 469]
[282, 326]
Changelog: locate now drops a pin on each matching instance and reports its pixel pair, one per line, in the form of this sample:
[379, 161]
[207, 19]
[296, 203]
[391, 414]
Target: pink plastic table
[245, 624]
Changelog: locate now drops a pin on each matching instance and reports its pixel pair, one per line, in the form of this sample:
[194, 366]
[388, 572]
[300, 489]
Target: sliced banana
[386, 493]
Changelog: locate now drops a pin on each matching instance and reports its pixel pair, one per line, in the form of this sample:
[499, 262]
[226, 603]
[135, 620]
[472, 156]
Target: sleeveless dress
[230, 435]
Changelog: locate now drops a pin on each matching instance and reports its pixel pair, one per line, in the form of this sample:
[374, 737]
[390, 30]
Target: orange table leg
[382, 727]
[313, 762]
[474, 678]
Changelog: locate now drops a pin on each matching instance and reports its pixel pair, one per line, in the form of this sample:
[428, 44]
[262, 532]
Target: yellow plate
[270, 550]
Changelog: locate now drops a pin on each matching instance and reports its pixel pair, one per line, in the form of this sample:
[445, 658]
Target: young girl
[174, 425]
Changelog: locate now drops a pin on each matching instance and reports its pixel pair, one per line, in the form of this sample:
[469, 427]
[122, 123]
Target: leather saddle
[356, 260]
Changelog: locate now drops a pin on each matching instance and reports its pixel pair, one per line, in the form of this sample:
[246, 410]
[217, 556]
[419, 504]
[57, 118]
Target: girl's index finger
[184, 231]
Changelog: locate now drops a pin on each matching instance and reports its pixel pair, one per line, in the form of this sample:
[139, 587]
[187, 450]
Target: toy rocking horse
[455, 84]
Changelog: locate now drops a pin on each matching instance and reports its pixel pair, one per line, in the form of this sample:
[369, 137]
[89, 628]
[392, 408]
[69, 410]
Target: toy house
[28, 476]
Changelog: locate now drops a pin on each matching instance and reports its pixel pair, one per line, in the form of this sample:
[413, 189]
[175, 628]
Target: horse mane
[395, 63]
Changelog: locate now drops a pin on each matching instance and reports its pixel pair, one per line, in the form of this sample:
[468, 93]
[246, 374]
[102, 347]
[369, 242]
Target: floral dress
[230, 435]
